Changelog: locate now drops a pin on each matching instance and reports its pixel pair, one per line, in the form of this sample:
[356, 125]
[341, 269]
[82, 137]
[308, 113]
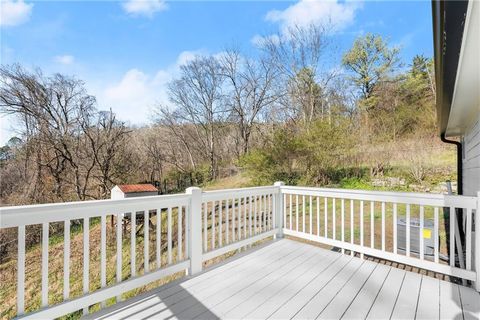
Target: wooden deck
[288, 279]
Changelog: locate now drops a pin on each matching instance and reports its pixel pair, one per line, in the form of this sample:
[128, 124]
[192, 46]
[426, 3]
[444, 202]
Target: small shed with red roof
[123, 191]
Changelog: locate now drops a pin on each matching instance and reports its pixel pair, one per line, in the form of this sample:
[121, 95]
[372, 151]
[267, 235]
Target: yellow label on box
[427, 233]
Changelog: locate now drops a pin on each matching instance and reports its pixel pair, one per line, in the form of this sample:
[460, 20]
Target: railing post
[279, 209]
[195, 230]
[477, 243]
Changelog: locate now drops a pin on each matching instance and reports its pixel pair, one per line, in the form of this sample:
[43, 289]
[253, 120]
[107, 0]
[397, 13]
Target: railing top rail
[237, 193]
[430, 199]
[34, 214]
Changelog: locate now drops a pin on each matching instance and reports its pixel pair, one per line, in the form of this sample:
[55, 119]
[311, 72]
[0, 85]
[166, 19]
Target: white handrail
[39, 213]
[440, 200]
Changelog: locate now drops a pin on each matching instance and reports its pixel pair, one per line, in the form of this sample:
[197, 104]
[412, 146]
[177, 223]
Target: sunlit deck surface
[289, 279]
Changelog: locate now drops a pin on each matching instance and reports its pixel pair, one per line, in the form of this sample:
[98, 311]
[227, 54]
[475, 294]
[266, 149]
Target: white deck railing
[337, 217]
[199, 226]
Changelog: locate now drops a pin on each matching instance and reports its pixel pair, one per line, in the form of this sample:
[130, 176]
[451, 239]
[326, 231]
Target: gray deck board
[470, 303]
[270, 306]
[232, 295]
[323, 297]
[385, 301]
[210, 293]
[256, 295]
[429, 299]
[291, 307]
[287, 279]
[406, 304]
[338, 305]
[450, 307]
[360, 307]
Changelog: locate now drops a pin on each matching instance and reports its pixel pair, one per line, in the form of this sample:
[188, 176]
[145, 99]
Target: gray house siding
[471, 159]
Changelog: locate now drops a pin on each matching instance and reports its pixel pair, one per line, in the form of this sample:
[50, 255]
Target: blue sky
[127, 51]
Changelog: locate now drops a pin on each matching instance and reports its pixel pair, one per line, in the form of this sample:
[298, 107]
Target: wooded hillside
[284, 113]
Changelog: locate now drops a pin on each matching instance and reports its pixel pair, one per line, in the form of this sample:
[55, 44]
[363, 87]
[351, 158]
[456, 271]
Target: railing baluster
[220, 222]
[255, 215]
[243, 212]
[422, 213]
[45, 264]
[103, 253]
[452, 235]
[407, 230]
[296, 212]
[352, 234]
[343, 222]
[133, 244]
[318, 216]
[180, 234]
[436, 234]
[334, 222]
[86, 258]
[213, 226]
[326, 217]
[260, 214]
[303, 213]
[284, 211]
[291, 213]
[264, 213]
[146, 240]
[241, 224]
[233, 220]
[245, 217]
[269, 211]
[227, 223]
[158, 238]
[21, 271]
[250, 208]
[187, 228]
[311, 215]
[383, 226]
[272, 208]
[395, 244]
[372, 224]
[169, 235]
[361, 226]
[239, 221]
[119, 251]
[66, 259]
[469, 239]
[205, 226]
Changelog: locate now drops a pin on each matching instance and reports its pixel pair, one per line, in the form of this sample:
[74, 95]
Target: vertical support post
[195, 230]
[278, 207]
[477, 243]
[21, 271]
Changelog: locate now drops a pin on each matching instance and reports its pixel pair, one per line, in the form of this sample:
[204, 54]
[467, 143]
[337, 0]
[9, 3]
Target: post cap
[193, 189]
[279, 183]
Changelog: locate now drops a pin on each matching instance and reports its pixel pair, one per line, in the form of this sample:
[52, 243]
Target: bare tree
[250, 86]
[197, 95]
[52, 110]
[297, 55]
[106, 139]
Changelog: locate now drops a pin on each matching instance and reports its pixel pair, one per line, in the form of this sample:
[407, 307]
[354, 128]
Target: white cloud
[64, 59]
[336, 15]
[133, 96]
[144, 7]
[13, 13]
